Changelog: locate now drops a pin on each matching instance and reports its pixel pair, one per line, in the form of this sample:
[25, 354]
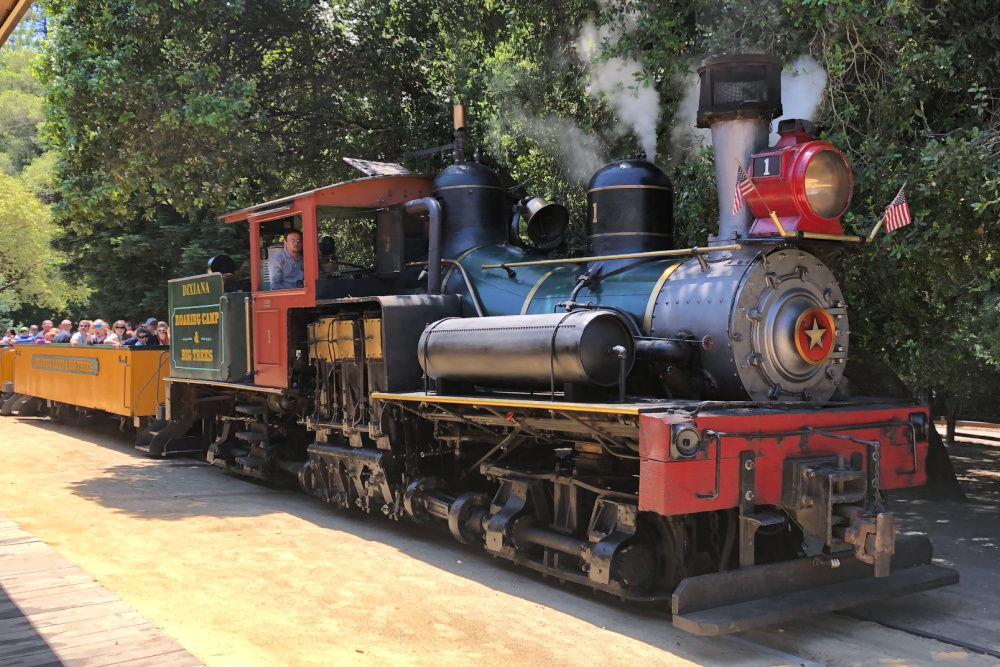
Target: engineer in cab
[285, 267]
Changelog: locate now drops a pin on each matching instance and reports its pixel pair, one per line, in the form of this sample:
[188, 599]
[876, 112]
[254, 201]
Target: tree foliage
[31, 276]
[20, 111]
[164, 113]
[29, 268]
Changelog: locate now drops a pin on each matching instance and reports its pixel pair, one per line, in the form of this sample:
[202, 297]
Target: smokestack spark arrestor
[739, 86]
[806, 182]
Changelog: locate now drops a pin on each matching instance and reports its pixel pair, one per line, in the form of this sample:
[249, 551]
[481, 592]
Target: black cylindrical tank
[630, 207]
[580, 347]
[475, 207]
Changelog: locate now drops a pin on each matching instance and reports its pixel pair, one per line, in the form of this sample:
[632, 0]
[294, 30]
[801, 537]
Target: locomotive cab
[355, 243]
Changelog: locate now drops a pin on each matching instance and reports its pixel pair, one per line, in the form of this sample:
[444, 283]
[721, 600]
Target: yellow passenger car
[126, 382]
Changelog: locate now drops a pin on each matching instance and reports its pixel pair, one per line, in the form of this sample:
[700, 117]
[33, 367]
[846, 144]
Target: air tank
[585, 347]
[630, 206]
[475, 207]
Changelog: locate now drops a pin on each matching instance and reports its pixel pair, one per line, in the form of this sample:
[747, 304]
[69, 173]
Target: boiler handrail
[681, 252]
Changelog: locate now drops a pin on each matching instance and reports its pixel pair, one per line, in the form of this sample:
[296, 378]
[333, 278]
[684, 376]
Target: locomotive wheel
[650, 563]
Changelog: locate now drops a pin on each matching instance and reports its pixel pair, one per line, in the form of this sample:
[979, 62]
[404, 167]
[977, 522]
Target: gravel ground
[241, 574]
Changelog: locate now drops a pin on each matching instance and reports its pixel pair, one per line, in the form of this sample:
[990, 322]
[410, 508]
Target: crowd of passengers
[91, 332]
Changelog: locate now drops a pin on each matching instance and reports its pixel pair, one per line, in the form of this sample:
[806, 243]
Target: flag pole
[878, 226]
[781, 230]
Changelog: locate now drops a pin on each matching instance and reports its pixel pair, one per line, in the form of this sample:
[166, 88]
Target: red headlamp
[806, 182]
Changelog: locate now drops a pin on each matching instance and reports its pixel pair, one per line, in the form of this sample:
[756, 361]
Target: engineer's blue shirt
[285, 272]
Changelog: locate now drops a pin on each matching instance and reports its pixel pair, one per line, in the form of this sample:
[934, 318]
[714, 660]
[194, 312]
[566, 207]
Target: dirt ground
[241, 574]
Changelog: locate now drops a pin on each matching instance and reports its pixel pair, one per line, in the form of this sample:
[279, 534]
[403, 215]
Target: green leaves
[29, 267]
[164, 113]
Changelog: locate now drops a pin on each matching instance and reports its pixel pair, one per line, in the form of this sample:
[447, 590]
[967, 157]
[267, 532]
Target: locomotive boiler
[667, 425]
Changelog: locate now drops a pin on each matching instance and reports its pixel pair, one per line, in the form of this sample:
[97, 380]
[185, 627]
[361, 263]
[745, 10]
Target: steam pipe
[468, 283]
[555, 541]
[661, 349]
[432, 207]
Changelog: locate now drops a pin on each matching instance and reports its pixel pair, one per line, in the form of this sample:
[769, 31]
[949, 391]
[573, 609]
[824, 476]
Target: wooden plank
[81, 598]
[30, 547]
[54, 614]
[112, 653]
[25, 643]
[175, 659]
[41, 553]
[22, 597]
[32, 563]
[43, 581]
[41, 659]
[21, 579]
[15, 627]
[10, 531]
[111, 621]
[46, 619]
[9, 611]
[122, 636]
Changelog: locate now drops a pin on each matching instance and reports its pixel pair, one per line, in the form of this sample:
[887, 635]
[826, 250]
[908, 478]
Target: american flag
[898, 213]
[744, 186]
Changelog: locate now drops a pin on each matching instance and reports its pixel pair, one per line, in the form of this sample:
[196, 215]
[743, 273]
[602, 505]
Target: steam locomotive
[666, 425]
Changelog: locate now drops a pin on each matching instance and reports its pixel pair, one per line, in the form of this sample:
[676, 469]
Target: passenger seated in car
[82, 335]
[162, 334]
[142, 337]
[99, 333]
[64, 335]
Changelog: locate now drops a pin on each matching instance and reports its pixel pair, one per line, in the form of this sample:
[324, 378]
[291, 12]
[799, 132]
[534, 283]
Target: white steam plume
[801, 90]
[637, 106]
[580, 153]
[802, 86]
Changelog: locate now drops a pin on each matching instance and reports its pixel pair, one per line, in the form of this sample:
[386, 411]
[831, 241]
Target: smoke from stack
[580, 153]
[637, 106]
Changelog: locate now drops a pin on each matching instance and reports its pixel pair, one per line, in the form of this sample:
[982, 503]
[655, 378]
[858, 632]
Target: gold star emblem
[815, 334]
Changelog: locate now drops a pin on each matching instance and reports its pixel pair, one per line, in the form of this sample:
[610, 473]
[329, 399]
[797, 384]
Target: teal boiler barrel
[538, 289]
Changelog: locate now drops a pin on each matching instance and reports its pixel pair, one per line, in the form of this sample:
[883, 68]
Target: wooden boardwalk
[52, 613]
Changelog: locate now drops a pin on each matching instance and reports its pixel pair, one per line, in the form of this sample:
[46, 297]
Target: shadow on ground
[20, 643]
[965, 534]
